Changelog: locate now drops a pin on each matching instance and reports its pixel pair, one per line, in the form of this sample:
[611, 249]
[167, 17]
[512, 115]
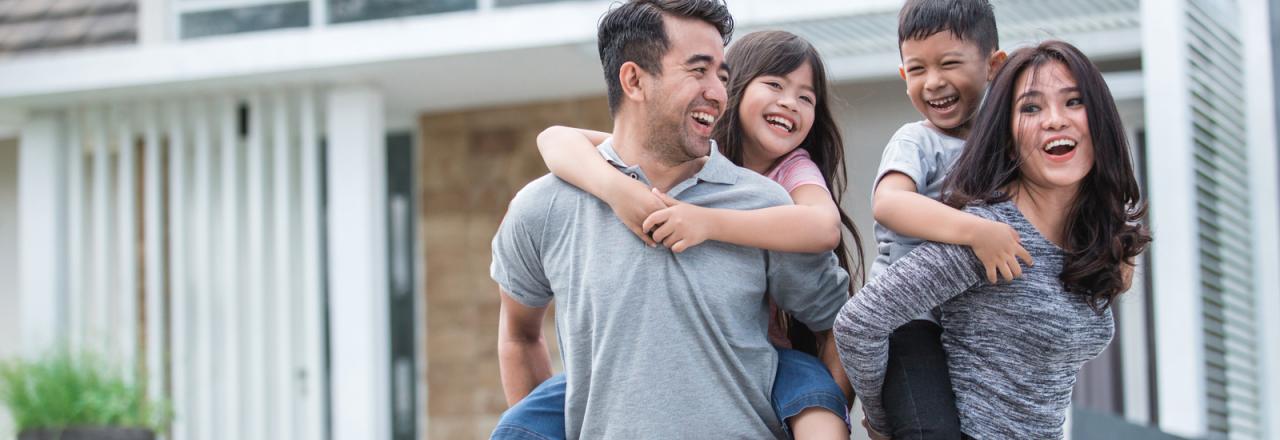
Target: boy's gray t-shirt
[925, 155]
[657, 344]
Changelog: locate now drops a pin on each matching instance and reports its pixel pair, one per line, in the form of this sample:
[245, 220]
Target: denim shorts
[802, 382]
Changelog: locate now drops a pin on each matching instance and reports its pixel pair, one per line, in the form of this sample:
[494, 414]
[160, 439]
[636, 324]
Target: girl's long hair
[779, 53]
[1103, 229]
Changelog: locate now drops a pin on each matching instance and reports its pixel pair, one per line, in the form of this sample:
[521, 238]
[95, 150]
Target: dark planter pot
[88, 433]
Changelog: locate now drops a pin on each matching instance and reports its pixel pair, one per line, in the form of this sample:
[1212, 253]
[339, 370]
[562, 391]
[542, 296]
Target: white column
[1265, 197]
[229, 286]
[359, 343]
[77, 295]
[208, 392]
[126, 249]
[153, 21]
[100, 320]
[1179, 341]
[40, 259]
[312, 306]
[256, 421]
[179, 279]
[282, 270]
[153, 236]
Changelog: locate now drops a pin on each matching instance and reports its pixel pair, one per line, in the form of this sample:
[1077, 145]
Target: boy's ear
[902, 72]
[994, 63]
[630, 76]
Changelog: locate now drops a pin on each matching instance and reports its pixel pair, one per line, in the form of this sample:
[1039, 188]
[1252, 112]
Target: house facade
[281, 210]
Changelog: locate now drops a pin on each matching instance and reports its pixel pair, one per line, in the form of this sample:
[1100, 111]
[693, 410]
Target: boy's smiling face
[946, 77]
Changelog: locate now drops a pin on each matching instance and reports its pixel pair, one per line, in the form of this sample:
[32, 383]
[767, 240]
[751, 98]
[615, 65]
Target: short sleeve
[517, 250]
[797, 169]
[811, 287]
[904, 155]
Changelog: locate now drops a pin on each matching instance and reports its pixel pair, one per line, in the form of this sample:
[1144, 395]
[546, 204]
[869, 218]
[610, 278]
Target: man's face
[684, 101]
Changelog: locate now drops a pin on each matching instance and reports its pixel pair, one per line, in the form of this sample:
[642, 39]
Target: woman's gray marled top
[1013, 349]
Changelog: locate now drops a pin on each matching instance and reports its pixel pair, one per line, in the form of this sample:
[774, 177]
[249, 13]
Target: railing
[193, 252]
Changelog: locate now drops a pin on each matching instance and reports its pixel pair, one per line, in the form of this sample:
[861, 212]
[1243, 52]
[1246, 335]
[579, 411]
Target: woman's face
[776, 113]
[1051, 128]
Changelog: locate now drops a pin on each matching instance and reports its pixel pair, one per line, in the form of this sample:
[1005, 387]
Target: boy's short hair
[634, 31]
[969, 20]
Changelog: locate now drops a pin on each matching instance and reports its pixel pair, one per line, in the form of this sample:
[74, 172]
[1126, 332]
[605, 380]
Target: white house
[280, 210]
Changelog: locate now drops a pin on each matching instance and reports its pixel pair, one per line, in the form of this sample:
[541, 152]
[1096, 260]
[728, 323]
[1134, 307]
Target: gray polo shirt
[657, 344]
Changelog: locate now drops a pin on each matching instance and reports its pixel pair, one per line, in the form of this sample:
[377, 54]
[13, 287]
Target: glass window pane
[342, 11]
[505, 3]
[246, 19]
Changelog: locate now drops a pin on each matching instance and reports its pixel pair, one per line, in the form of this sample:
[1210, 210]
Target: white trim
[359, 339]
[153, 21]
[1175, 252]
[1265, 199]
[189, 6]
[40, 259]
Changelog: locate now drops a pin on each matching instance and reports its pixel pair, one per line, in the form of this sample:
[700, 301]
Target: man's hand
[999, 248]
[680, 225]
[632, 202]
[872, 433]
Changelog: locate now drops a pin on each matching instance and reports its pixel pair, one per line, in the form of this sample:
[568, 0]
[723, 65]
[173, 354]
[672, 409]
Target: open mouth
[1059, 147]
[944, 103]
[703, 118]
[785, 124]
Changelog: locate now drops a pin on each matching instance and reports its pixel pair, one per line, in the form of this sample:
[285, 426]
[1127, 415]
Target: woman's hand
[632, 202]
[680, 225]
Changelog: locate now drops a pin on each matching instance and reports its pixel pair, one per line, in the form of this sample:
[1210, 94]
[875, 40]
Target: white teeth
[1059, 143]
[783, 122]
[943, 102]
[704, 118]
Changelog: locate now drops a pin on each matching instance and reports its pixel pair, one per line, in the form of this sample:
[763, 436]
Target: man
[655, 344]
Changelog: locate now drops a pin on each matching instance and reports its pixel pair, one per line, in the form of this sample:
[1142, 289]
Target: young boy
[949, 52]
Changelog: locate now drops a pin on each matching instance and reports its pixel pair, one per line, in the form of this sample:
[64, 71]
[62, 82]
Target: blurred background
[280, 211]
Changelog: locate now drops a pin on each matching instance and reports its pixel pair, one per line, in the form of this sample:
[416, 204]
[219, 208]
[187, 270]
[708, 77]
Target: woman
[1047, 156]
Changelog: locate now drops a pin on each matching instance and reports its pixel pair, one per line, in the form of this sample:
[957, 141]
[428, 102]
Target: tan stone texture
[470, 165]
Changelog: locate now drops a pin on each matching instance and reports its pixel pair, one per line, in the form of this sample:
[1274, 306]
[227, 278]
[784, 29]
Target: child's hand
[999, 248]
[680, 226]
[632, 202]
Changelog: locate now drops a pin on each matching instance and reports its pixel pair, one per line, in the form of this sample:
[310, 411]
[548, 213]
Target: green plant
[61, 391]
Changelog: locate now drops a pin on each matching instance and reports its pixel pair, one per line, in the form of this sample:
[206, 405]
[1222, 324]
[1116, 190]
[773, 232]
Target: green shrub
[61, 391]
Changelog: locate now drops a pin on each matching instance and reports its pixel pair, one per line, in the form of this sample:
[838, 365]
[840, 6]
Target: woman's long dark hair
[779, 53]
[1102, 226]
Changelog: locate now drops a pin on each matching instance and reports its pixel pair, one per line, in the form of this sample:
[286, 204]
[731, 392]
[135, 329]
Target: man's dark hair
[634, 31]
[969, 20]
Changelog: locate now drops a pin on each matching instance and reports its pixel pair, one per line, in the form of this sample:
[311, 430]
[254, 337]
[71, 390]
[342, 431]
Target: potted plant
[63, 398]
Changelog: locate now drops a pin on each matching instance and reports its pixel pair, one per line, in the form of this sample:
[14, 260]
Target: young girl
[778, 123]
[1047, 156]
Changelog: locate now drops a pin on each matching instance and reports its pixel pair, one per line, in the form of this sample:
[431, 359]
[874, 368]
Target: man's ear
[902, 72]
[631, 76]
[994, 63]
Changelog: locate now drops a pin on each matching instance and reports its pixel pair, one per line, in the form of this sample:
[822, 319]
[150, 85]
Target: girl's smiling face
[776, 113]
